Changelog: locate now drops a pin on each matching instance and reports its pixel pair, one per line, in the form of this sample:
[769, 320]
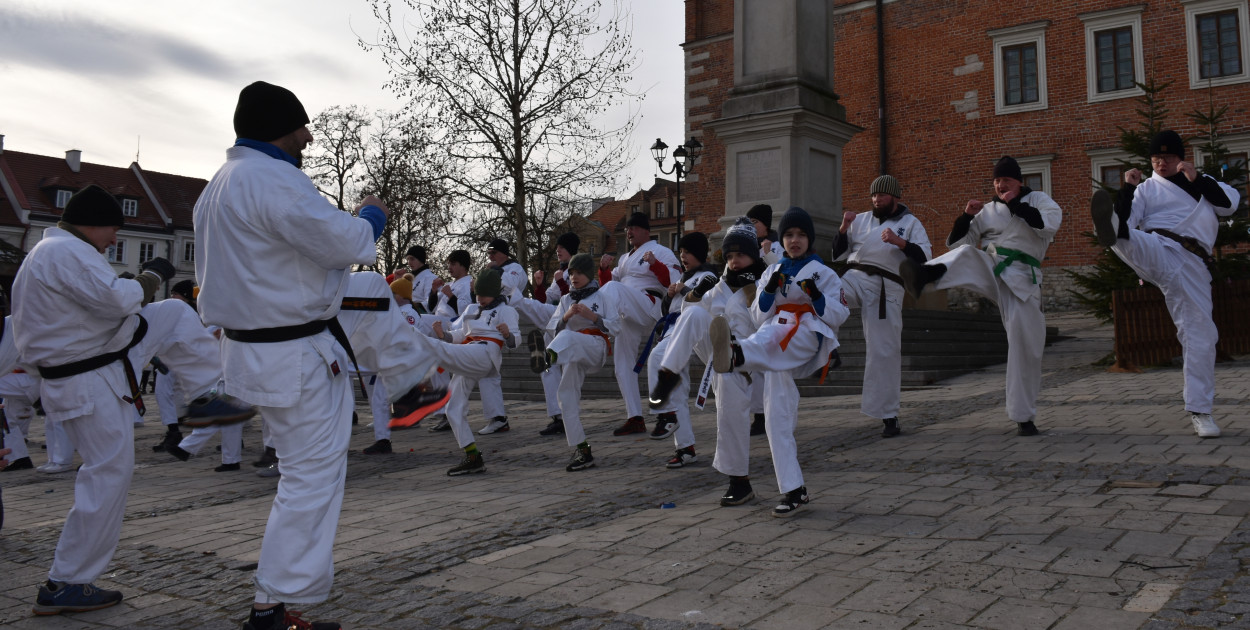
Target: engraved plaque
[759, 175]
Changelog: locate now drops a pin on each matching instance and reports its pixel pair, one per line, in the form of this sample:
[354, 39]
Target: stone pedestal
[782, 126]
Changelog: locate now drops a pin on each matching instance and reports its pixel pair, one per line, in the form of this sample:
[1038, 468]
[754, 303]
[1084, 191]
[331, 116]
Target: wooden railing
[1145, 334]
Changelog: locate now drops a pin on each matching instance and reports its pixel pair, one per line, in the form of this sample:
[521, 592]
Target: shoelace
[293, 622]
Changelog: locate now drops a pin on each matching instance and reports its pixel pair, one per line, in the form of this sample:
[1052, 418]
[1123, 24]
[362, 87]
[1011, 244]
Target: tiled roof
[37, 178]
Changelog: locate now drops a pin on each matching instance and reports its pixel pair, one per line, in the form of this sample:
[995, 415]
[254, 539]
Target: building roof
[32, 181]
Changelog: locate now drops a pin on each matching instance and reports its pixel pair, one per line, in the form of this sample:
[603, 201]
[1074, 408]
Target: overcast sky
[161, 77]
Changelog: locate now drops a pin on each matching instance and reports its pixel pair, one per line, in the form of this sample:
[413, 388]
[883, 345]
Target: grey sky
[100, 76]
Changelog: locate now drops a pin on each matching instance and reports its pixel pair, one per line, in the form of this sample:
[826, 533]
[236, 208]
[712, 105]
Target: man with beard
[875, 244]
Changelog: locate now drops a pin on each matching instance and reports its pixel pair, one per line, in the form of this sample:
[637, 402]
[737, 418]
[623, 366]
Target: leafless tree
[517, 91]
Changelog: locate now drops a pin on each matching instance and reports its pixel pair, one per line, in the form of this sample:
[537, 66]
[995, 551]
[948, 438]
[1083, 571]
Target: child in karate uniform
[582, 329]
[798, 309]
[474, 353]
[730, 298]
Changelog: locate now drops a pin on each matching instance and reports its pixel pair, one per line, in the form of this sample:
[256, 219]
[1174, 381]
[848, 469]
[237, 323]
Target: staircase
[936, 345]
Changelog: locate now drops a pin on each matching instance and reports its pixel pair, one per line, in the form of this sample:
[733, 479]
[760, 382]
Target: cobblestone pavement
[1117, 516]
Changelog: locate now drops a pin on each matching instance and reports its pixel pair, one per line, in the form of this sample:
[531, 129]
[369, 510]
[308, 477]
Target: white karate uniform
[581, 353]
[259, 213]
[69, 305]
[1017, 290]
[679, 400]
[732, 390]
[773, 253]
[1182, 277]
[470, 361]
[639, 312]
[882, 335]
[422, 286]
[490, 387]
[814, 338]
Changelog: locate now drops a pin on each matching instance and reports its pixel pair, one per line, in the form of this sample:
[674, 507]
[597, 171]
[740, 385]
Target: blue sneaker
[58, 597]
[216, 408]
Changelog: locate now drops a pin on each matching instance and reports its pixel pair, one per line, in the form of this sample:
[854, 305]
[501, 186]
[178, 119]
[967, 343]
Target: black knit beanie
[1008, 167]
[639, 219]
[93, 206]
[267, 112]
[763, 213]
[500, 246]
[797, 217]
[416, 251]
[696, 244]
[489, 283]
[569, 241]
[740, 238]
[1167, 142]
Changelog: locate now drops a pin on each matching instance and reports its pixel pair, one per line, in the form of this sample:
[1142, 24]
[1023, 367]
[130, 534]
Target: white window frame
[188, 247]
[62, 198]
[130, 207]
[151, 251]
[1031, 33]
[660, 210]
[1194, 8]
[1099, 158]
[1038, 165]
[1109, 20]
[117, 253]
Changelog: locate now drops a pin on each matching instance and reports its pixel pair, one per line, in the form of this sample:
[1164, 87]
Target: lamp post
[684, 159]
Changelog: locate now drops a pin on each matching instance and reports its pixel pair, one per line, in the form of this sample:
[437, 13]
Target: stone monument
[782, 127]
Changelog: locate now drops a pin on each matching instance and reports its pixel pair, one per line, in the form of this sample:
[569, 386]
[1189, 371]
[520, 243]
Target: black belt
[299, 331]
[1190, 245]
[94, 363]
[873, 270]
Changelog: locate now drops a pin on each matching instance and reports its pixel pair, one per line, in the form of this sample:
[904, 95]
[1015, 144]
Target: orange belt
[798, 310]
[471, 339]
[599, 333]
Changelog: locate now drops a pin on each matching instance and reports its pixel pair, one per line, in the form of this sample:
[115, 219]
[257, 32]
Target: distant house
[658, 202]
[158, 206]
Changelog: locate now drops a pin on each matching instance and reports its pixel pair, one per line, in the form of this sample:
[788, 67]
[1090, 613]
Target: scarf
[750, 275]
[580, 294]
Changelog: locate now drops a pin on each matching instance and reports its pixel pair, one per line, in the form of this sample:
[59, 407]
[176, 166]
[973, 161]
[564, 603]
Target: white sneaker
[1204, 426]
[498, 424]
[53, 468]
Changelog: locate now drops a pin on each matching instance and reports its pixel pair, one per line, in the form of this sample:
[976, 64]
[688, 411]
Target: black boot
[172, 436]
[269, 458]
[891, 428]
[757, 425]
[665, 382]
[916, 276]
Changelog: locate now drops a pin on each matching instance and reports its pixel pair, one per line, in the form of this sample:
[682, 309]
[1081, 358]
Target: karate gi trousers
[970, 268]
[883, 365]
[577, 354]
[639, 313]
[1186, 285]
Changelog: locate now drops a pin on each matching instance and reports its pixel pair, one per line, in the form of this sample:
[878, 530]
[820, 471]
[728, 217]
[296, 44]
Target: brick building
[967, 81]
[158, 206]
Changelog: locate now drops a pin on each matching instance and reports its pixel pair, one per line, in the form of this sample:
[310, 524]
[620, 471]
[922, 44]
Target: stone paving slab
[1115, 517]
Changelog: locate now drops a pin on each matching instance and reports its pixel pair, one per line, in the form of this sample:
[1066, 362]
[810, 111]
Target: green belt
[1015, 255]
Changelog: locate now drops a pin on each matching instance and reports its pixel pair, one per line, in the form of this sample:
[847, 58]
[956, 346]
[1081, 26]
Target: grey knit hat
[886, 184]
[584, 264]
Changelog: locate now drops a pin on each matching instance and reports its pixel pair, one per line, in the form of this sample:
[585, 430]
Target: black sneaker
[633, 425]
[917, 276]
[739, 492]
[470, 464]
[1026, 429]
[665, 424]
[215, 408]
[891, 428]
[416, 404]
[290, 620]
[227, 467]
[443, 425]
[791, 503]
[757, 425]
[665, 382]
[267, 459]
[722, 344]
[582, 459]
[538, 352]
[58, 597]
[21, 463]
[555, 427]
[381, 447]
[684, 457]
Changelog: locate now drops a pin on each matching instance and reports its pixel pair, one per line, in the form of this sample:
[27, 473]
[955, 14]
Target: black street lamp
[684, 159]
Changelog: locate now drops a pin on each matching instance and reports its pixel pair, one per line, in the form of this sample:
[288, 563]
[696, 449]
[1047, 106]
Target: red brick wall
[942, 157]
[709, 75]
